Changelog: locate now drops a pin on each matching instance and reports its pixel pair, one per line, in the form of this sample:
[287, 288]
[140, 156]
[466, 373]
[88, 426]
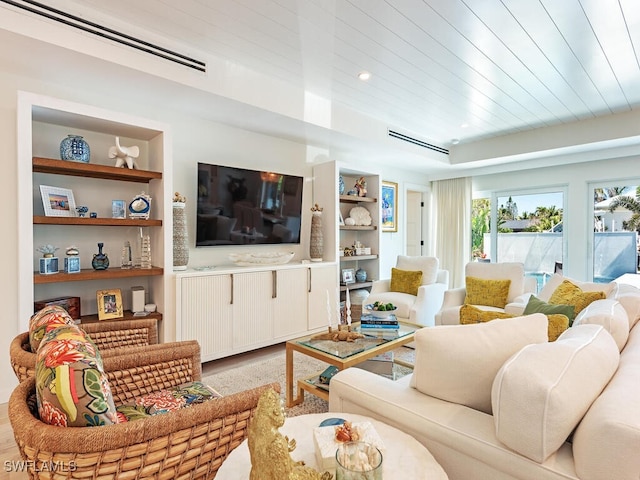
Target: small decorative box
[48, 265]
[326, 444]
[72, 264]
[70, 304]
[360, 251]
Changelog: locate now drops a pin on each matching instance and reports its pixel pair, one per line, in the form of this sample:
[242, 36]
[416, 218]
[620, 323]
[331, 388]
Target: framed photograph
[57, 202]
[109, 304]
[118, 209]
[389, 206]
[348, 276]
[340, 218]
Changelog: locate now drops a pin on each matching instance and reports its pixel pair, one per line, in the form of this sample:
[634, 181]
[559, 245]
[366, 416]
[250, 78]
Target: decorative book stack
[370, 324]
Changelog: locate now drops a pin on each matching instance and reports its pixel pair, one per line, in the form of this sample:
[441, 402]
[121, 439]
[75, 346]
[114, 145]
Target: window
[615, 231]
[524, 227]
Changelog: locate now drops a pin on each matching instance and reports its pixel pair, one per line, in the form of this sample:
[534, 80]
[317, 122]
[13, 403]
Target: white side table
[404, 456]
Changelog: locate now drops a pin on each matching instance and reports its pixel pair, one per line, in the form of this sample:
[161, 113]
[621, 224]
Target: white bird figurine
[124, 155]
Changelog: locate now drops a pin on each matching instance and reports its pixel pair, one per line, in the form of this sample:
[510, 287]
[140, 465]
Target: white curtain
[451, 222]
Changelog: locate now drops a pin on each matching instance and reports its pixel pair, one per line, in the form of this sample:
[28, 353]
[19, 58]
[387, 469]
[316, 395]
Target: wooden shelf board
[355, 258]
[128, 315]
[358, 227]
[90, 274]
[84, 221]
[354, 199]
[92, 170]
[356, 286]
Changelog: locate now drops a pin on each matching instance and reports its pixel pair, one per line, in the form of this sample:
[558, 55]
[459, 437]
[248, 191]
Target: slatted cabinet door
[290, 303]
[206, 302]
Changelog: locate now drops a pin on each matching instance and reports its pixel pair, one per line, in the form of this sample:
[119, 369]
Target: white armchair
[520, 290]
[420, 308]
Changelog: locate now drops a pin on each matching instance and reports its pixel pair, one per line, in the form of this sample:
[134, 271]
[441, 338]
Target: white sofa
[519, 290]
[518, 437]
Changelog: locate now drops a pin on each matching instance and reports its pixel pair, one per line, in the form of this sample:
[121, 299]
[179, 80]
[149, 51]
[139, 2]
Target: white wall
[194, 140]
[578, 223]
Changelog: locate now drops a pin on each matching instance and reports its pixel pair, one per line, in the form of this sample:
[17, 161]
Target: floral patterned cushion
[165, 401]
[71, 386]
[44, 320]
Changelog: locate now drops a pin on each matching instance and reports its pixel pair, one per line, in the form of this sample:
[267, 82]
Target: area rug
[241, 378]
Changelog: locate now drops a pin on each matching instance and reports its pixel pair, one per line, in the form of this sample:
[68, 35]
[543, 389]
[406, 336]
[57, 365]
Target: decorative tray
[255, 259]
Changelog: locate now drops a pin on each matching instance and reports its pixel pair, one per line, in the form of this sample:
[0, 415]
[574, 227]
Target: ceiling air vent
[416, 141]
[104, 32]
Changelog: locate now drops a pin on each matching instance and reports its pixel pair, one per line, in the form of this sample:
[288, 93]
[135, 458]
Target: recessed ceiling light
[364, 76]
[455, 141]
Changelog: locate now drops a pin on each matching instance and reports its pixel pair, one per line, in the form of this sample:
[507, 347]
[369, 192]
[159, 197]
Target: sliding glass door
[616, 221]
[527, 227]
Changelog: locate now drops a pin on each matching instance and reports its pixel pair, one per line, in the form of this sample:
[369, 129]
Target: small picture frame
[118, 209]
[57, 202]
[348, 276]
[340, 218]
[109, 304]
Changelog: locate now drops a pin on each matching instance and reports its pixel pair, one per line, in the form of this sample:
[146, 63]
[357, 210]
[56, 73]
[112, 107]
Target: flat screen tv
[239, 206]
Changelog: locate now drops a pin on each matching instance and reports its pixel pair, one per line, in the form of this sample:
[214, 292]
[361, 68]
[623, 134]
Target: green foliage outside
[543, 219]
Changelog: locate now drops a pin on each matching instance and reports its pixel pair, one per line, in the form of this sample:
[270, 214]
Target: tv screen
[238, 206]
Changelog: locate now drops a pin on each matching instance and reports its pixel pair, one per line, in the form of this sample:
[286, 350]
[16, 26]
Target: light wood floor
[9, 450]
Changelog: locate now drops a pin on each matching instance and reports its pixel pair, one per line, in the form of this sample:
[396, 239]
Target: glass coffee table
[342, 355]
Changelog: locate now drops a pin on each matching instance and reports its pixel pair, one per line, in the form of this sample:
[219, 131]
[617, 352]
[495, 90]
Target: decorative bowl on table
[257, 259]
[375, 312]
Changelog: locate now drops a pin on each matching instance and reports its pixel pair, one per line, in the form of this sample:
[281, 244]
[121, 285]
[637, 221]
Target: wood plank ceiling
[440, 69]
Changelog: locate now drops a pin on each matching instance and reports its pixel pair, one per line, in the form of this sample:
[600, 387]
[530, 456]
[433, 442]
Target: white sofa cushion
[458, 363]
[609, 314]
[629, 297]
[556, 279]
[607, 441]
[428, 266]
[513, 271]
[541, 393]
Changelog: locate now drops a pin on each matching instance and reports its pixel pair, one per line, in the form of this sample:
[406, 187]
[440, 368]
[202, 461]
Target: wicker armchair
[107, 336]
[190, 443]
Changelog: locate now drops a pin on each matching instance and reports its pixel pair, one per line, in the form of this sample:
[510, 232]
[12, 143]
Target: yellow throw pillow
[569, 293]
[558, 323]
[470, 314]
[406, 281]
[492, 293]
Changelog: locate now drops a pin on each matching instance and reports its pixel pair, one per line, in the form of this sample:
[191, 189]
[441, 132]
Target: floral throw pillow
[45, 320]
[71, 387]
[165, 401]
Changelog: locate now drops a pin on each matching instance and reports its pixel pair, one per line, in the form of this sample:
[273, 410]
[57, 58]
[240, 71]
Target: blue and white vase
[75, 149]
[341, 185]
[100, 260]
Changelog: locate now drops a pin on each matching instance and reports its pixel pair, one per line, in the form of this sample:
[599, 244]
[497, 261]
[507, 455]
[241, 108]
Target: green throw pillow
[405, 281]
[569, 293]
[535, 305]
[491, 293]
